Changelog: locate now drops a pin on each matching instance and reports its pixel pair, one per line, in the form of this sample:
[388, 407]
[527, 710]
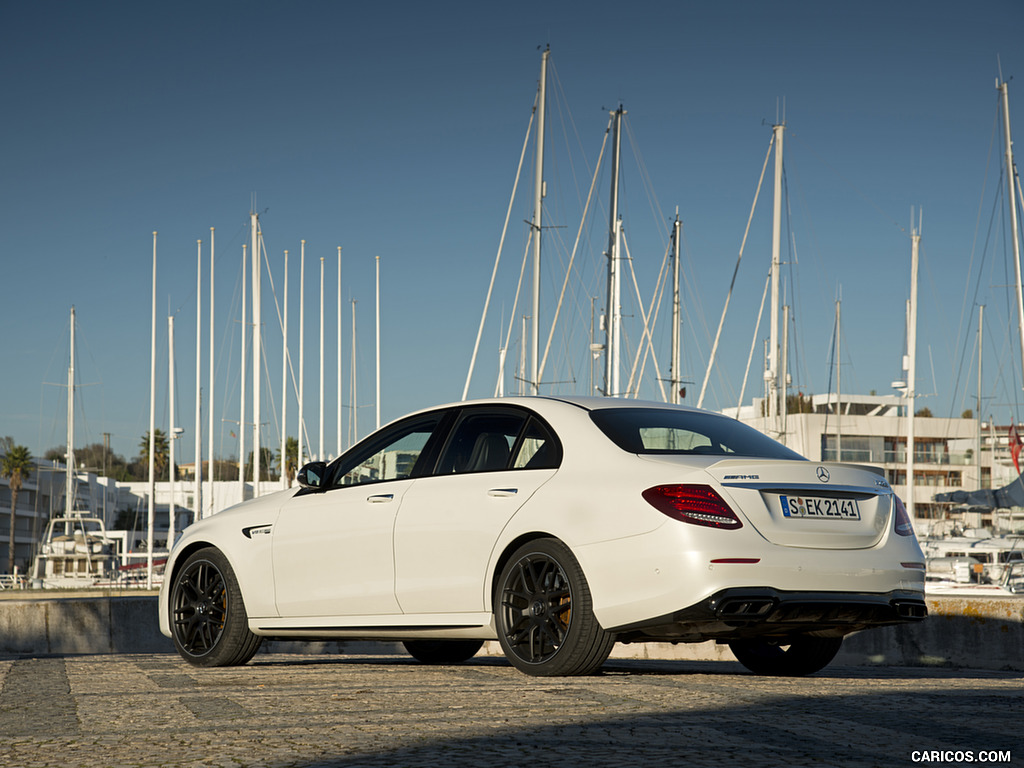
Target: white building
[872, 429]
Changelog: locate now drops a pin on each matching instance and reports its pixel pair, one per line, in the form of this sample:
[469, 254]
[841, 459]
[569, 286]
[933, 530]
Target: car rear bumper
[740, 612]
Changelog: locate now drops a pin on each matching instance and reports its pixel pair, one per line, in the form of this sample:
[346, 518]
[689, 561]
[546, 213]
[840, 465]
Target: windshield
[667, 431]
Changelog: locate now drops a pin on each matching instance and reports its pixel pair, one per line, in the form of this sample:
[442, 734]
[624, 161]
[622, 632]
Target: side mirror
[312, 476]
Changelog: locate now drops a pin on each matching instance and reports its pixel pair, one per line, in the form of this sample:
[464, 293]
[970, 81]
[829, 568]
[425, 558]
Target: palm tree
[161, 452]
[16, 465]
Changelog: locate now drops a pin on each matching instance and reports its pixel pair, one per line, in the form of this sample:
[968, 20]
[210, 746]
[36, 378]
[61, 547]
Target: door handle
[502, 493]
[381, 498]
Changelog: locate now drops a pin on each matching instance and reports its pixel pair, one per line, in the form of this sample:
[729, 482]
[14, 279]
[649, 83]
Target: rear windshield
[667, 431]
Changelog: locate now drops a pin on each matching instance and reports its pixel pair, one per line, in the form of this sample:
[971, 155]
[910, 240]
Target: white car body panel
[418, 557]
[333, 552]
[445, 534]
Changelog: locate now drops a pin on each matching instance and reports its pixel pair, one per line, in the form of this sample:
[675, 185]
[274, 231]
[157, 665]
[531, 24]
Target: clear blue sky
[394, 129]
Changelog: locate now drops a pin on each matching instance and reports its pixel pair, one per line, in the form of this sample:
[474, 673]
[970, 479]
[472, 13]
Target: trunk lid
[807, 504]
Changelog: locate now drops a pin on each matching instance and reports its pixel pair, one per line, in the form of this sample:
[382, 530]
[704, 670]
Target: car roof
[587, 403]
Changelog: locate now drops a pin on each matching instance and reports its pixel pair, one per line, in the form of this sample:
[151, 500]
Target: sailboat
[534, 352]
[76, 550]
[994, 563]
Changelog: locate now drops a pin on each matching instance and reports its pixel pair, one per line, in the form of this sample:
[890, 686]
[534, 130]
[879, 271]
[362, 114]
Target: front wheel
[209, 624]
[544, 614]
[792, 657]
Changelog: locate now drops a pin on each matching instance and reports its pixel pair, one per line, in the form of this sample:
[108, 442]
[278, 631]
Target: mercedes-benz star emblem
[823, 474]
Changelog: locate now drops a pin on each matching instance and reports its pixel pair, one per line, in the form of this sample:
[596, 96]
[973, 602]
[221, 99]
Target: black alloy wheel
[209, 624]
[543, 612]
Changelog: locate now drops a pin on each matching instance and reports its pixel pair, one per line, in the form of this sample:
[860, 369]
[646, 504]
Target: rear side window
[668, 431]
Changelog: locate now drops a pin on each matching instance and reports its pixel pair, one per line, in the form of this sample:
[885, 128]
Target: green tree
[291, 446]
[161, 453]
[16, 466]
[266, 461]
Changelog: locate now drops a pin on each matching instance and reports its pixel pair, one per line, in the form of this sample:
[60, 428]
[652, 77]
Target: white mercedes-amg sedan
[558, 526]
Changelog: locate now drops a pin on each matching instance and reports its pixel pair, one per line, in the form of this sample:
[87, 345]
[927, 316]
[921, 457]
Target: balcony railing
[866, 456]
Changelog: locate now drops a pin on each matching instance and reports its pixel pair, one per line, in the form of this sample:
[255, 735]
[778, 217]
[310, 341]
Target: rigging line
[561, 101]
[656, 302]
[753, 342]
[650, 319]
[732, 283]
[519, 286]
[660, 221]
[977, 226]
[831, 366]
[280, 322]
[981, 266]
[265, 445]
[572, 257]
[694, 298]
[645, 316]
[501, 244]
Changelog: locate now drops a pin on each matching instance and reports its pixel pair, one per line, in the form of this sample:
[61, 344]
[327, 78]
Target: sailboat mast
[172, 431]
[197, 505]
[783, 376]
[340, 434]
[209, 394]
[676, 378]
[151, 512]
[911, 392]
[301, 457]
[538, 198]
[1010, 175]
[839, 380]
[241, 418]
[284, 381]
[981, 325]
[353, 419]
[378, 341]
[320, 423]
[69, 469]
[773, 344]
[257, 352]
[613, 312]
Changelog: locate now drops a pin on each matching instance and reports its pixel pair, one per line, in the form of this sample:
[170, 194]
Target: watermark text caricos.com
[960, 756]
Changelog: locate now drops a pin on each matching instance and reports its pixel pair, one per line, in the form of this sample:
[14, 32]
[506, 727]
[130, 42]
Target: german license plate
[821, 507]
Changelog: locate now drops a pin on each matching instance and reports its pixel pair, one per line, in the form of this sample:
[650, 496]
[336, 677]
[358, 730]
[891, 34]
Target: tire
[793, 657]
[544, 614]
[442, 651]
[209, 624]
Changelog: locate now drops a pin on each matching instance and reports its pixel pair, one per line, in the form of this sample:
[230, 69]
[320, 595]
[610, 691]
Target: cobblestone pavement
[304, 710]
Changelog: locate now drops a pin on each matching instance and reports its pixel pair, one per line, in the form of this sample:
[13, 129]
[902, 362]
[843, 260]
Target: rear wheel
[544, 614]
[442, 651]
[790, 657]
[209, 624]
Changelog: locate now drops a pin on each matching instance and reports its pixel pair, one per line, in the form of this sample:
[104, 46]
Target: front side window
[393, 456]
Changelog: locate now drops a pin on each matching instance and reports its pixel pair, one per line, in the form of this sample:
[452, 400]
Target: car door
[494, 461]
[333, 552]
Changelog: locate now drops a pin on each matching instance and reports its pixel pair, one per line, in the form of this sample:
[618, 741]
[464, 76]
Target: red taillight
[696, 504]
[903, 525]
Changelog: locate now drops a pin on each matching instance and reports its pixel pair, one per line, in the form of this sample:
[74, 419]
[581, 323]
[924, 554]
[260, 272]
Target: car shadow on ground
[653, 667]
[819, 724]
